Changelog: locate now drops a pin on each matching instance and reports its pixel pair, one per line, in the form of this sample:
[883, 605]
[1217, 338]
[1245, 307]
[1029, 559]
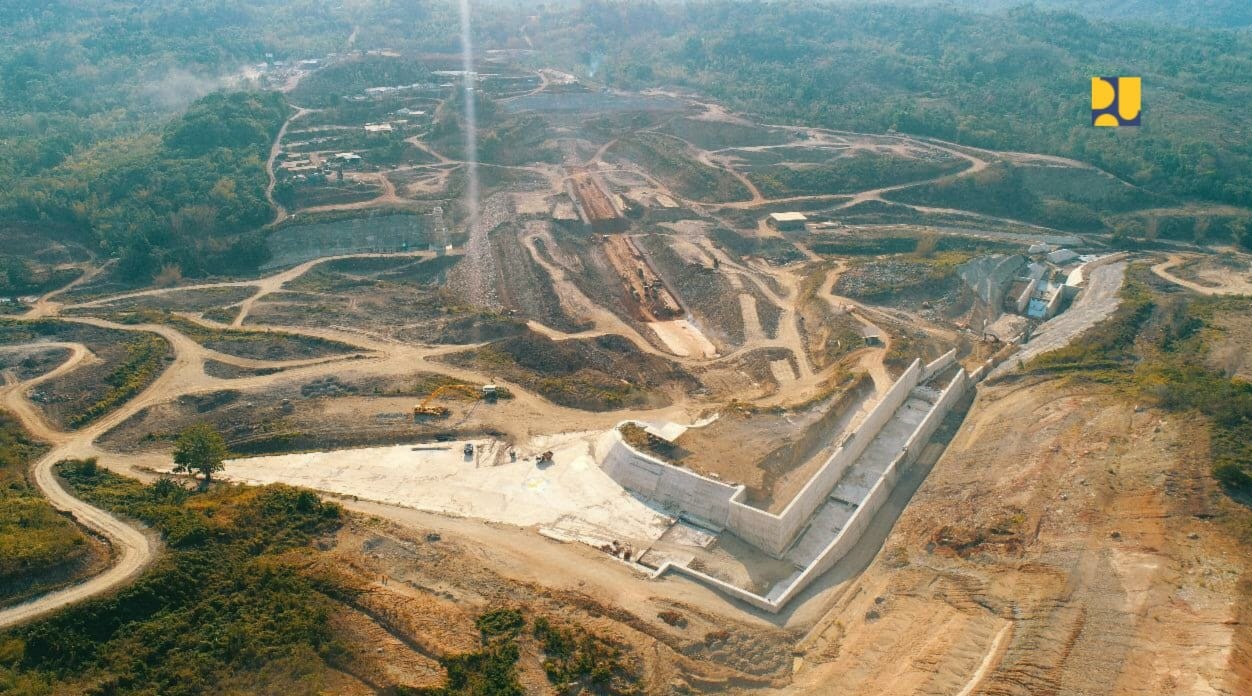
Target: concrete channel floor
[857, 481]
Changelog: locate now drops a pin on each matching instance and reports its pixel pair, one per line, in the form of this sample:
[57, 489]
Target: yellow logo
[1116, 101]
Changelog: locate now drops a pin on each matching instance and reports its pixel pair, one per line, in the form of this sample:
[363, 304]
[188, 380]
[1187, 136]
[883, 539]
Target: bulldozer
[428, 408]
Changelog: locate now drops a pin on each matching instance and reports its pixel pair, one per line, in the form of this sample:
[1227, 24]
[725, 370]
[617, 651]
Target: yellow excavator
[428, 408]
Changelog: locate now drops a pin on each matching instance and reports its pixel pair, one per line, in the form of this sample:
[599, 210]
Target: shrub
[501, 623]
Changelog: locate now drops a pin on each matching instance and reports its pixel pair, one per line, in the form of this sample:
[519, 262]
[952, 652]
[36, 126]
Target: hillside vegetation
[38, 546]
[1013, 81]
[188, 197]
[1149, 347]
[1216, 14]
[247, 600]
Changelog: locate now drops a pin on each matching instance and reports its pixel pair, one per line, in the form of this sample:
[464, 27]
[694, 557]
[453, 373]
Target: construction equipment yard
[670, 412]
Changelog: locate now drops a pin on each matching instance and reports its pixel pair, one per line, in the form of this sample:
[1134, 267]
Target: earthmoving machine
[428, 409]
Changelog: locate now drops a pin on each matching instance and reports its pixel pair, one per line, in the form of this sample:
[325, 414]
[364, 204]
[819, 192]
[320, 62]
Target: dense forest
[185, 198]
[100, 127]
[1216, 14]
[1013, 81]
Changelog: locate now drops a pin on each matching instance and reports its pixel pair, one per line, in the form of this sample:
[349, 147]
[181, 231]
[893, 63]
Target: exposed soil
[763, 449]
[24, 363]
[112, 361]
[1229, 347]
[704, 291]
[597, 374]
[1061, 545]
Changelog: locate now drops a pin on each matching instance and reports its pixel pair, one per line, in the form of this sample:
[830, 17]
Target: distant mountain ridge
[1209, 14]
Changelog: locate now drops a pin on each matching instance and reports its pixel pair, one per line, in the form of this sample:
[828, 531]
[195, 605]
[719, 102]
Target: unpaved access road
[132, 548]
[1232, 283]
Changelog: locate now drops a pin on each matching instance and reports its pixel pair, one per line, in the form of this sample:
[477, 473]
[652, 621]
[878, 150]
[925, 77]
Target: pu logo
[1116, 101]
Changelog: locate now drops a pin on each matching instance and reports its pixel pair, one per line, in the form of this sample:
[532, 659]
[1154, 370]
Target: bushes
[227, 600]
[35, 540]
[144, 359]
[1002, 190]
[1178, 382]
[1108, 344]
[500, 623]
[574, 656]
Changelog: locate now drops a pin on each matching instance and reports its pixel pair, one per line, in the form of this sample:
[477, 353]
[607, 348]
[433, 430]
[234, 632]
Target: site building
[787, 222]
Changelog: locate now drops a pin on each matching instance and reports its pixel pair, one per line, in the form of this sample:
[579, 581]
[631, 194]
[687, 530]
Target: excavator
[428, 408]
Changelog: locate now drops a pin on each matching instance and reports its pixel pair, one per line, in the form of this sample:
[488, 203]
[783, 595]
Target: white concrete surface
[572, 494]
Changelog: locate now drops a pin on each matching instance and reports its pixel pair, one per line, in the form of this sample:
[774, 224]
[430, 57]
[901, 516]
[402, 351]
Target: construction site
[680, 412]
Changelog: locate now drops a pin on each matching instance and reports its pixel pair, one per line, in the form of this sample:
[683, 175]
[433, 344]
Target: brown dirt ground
[1229, 352]
[420, 599]
[1065, 543]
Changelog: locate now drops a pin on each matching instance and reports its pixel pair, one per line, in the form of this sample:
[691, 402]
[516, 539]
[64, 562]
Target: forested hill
[93, 94]
[1015, 81]
[1214, 14]
[187, 197]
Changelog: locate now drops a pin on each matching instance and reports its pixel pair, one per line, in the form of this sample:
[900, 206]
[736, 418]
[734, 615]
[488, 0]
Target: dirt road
[1231, 283]
[132, 549]
[280, 212]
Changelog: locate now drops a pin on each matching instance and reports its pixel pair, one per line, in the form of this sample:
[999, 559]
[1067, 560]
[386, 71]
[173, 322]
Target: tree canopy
[200, 450]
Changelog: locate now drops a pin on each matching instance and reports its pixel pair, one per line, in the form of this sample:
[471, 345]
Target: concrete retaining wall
[703, 498]
[940, 364]
[922, 434]
[1024, 299]
[1054, 304]
[723, 506]
[813, 440]
[851, 533]
[814, 493]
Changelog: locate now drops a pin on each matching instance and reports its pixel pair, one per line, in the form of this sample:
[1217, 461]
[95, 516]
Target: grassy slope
[37, 544]
[241, 603]
[1149, 347]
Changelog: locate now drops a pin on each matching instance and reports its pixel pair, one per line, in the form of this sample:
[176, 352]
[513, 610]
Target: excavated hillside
[1067, 542]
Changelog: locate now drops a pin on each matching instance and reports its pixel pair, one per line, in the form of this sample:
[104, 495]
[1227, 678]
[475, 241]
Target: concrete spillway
[830, 513]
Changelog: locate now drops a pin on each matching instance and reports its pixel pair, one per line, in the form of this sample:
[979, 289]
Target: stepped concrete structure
[827, 517]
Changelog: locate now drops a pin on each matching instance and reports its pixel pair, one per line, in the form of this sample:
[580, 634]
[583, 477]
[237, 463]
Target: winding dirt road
[132, 548]
[280, 212]
[1231, 282]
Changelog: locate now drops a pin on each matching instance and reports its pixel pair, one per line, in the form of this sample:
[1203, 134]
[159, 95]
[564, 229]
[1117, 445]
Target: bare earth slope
[1063, 544]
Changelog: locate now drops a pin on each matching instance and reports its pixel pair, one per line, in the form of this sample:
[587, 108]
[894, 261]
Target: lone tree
[199, 450]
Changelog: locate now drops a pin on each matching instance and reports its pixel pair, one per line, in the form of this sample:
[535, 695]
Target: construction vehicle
[428, 409]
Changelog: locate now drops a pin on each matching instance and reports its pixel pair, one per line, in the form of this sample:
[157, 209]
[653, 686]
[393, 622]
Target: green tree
[200, 450]
[1241, 231]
